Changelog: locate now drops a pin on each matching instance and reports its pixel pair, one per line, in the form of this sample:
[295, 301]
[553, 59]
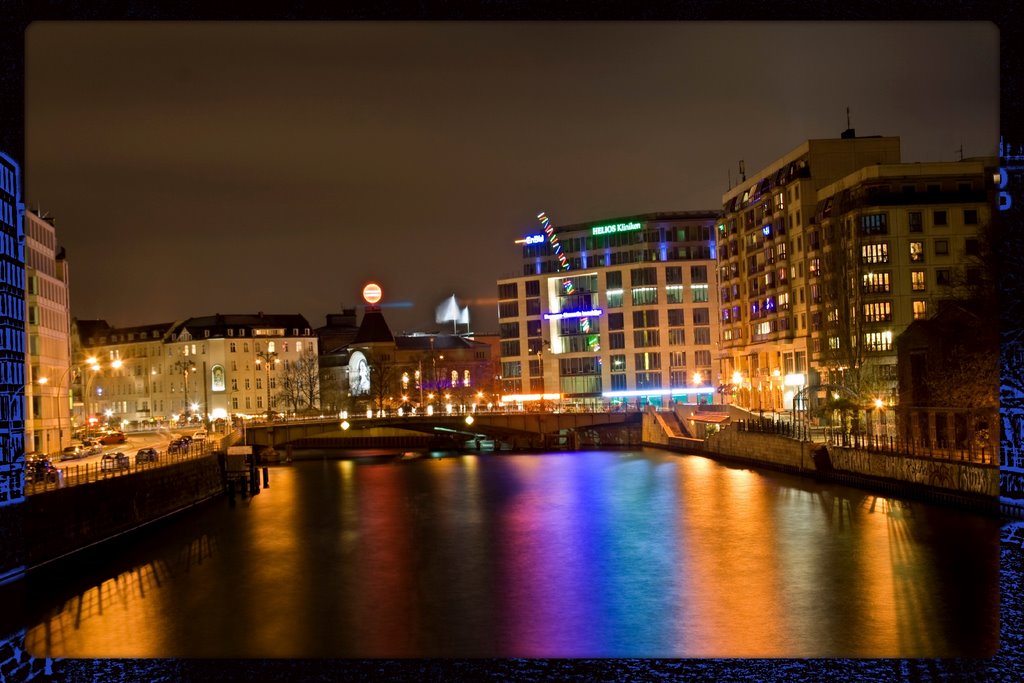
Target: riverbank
[964, 484]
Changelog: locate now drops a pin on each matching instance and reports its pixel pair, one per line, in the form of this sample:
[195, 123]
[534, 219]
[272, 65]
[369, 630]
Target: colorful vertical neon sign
[557, 248]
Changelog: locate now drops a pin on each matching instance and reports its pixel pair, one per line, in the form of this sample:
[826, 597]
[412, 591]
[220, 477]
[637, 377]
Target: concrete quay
[963, 483]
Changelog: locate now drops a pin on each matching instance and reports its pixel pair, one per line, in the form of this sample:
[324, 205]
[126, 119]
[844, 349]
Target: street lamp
[95, 366]
[266, 358]
[185, 366]
[60, 399]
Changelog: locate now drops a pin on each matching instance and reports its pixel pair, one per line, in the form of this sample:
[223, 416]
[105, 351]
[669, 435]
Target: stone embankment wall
[62, 521]
[948, 480]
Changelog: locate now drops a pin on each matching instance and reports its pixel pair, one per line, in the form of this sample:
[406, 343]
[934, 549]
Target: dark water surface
[596, 554]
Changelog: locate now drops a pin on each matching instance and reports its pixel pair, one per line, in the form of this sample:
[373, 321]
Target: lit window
[917, 280]
[917, 251]
[920, 310]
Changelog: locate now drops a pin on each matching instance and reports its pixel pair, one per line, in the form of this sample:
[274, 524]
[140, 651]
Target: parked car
[72, 453]
[40, 470]
[95, 449]
[199, 435]
[179, 445]
[114, 461]
[112, 438]
[146, 455]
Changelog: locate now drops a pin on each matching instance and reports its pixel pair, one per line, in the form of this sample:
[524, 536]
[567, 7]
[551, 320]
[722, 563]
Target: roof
[219, 324]
[373, 328]
[436, 341]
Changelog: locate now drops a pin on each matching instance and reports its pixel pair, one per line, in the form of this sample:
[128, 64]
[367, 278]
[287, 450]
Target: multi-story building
[767, 238]
[421, 371]
[208, 368]
[12, 332]
[828, 255]
[48, 325]
[613, 310]
[887, 244]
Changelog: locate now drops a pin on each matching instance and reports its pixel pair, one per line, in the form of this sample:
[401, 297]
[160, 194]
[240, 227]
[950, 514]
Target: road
[135, 441]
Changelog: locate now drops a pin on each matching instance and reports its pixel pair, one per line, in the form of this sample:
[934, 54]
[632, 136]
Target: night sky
[198, 168]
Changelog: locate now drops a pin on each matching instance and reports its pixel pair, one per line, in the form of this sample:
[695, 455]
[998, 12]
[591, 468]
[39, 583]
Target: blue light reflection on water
[598, 554]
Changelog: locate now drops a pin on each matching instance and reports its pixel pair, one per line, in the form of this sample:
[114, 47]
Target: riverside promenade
[729, 435]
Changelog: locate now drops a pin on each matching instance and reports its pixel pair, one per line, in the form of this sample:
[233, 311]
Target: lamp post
[185, 366]
[95, 366]
[60, 399]
[266, 358]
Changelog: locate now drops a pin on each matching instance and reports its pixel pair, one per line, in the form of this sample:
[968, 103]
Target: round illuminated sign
[371, 293]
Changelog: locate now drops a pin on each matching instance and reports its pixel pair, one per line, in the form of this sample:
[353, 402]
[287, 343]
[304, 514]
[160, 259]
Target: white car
[200, 435]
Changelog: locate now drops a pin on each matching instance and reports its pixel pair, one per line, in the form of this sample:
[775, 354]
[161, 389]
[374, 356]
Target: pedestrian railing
[868, 442]
[87, 473]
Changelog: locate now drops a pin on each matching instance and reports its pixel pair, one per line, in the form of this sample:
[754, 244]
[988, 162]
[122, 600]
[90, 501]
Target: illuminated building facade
[48, 324]
[612, 311]
[827, 255]
[766, 240]
[895, 241]
[207, 368]
[12, 333]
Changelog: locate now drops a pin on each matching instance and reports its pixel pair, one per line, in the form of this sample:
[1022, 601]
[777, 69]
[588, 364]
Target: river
[642, 553]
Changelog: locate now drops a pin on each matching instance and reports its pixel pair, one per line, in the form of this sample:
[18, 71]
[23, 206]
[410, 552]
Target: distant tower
[12, 334]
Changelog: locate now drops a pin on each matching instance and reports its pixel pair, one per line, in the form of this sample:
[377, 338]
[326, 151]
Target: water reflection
[601, 554]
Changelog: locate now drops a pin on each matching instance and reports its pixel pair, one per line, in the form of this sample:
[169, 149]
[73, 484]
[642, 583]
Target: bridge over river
[503, 430]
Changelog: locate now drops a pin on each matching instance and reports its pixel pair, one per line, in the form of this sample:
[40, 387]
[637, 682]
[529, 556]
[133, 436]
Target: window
[874, 253]
[674, 275]
[873, 224]
[618, 362]
[877, 312]
[676, 317]
[508, 290]
[643, 296]
[970, 216]
[613, 280]
[814, 267]
[943, 277]
[917, 280]
[533, 288]
[914, 221]
[677, 359]
[699, 293]
[645, 318]
[617, 340]
[942, 247]
[878, 341]
[920, 309]
[643, 276]
[234, 384]
[674, 294]
[701, 316]
[647, 361]
[917, 251]
[646, 338]
[698, 274]
[702, 358]
[972, 247]
[676, 336]
[939, 218]
[702, 336]
[508, 309]
[614, 298]
[615, 321]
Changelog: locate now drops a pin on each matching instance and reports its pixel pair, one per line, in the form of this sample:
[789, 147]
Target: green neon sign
[615, 227]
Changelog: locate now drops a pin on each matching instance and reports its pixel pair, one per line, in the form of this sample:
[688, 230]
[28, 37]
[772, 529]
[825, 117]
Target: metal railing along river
[73, 475]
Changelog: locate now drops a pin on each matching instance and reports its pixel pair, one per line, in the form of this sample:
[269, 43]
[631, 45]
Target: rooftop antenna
[847, 117]
[961, 151]
[743, 172]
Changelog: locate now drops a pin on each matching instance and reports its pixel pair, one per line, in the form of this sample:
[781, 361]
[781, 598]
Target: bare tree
[384, 377]
[299, 382]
